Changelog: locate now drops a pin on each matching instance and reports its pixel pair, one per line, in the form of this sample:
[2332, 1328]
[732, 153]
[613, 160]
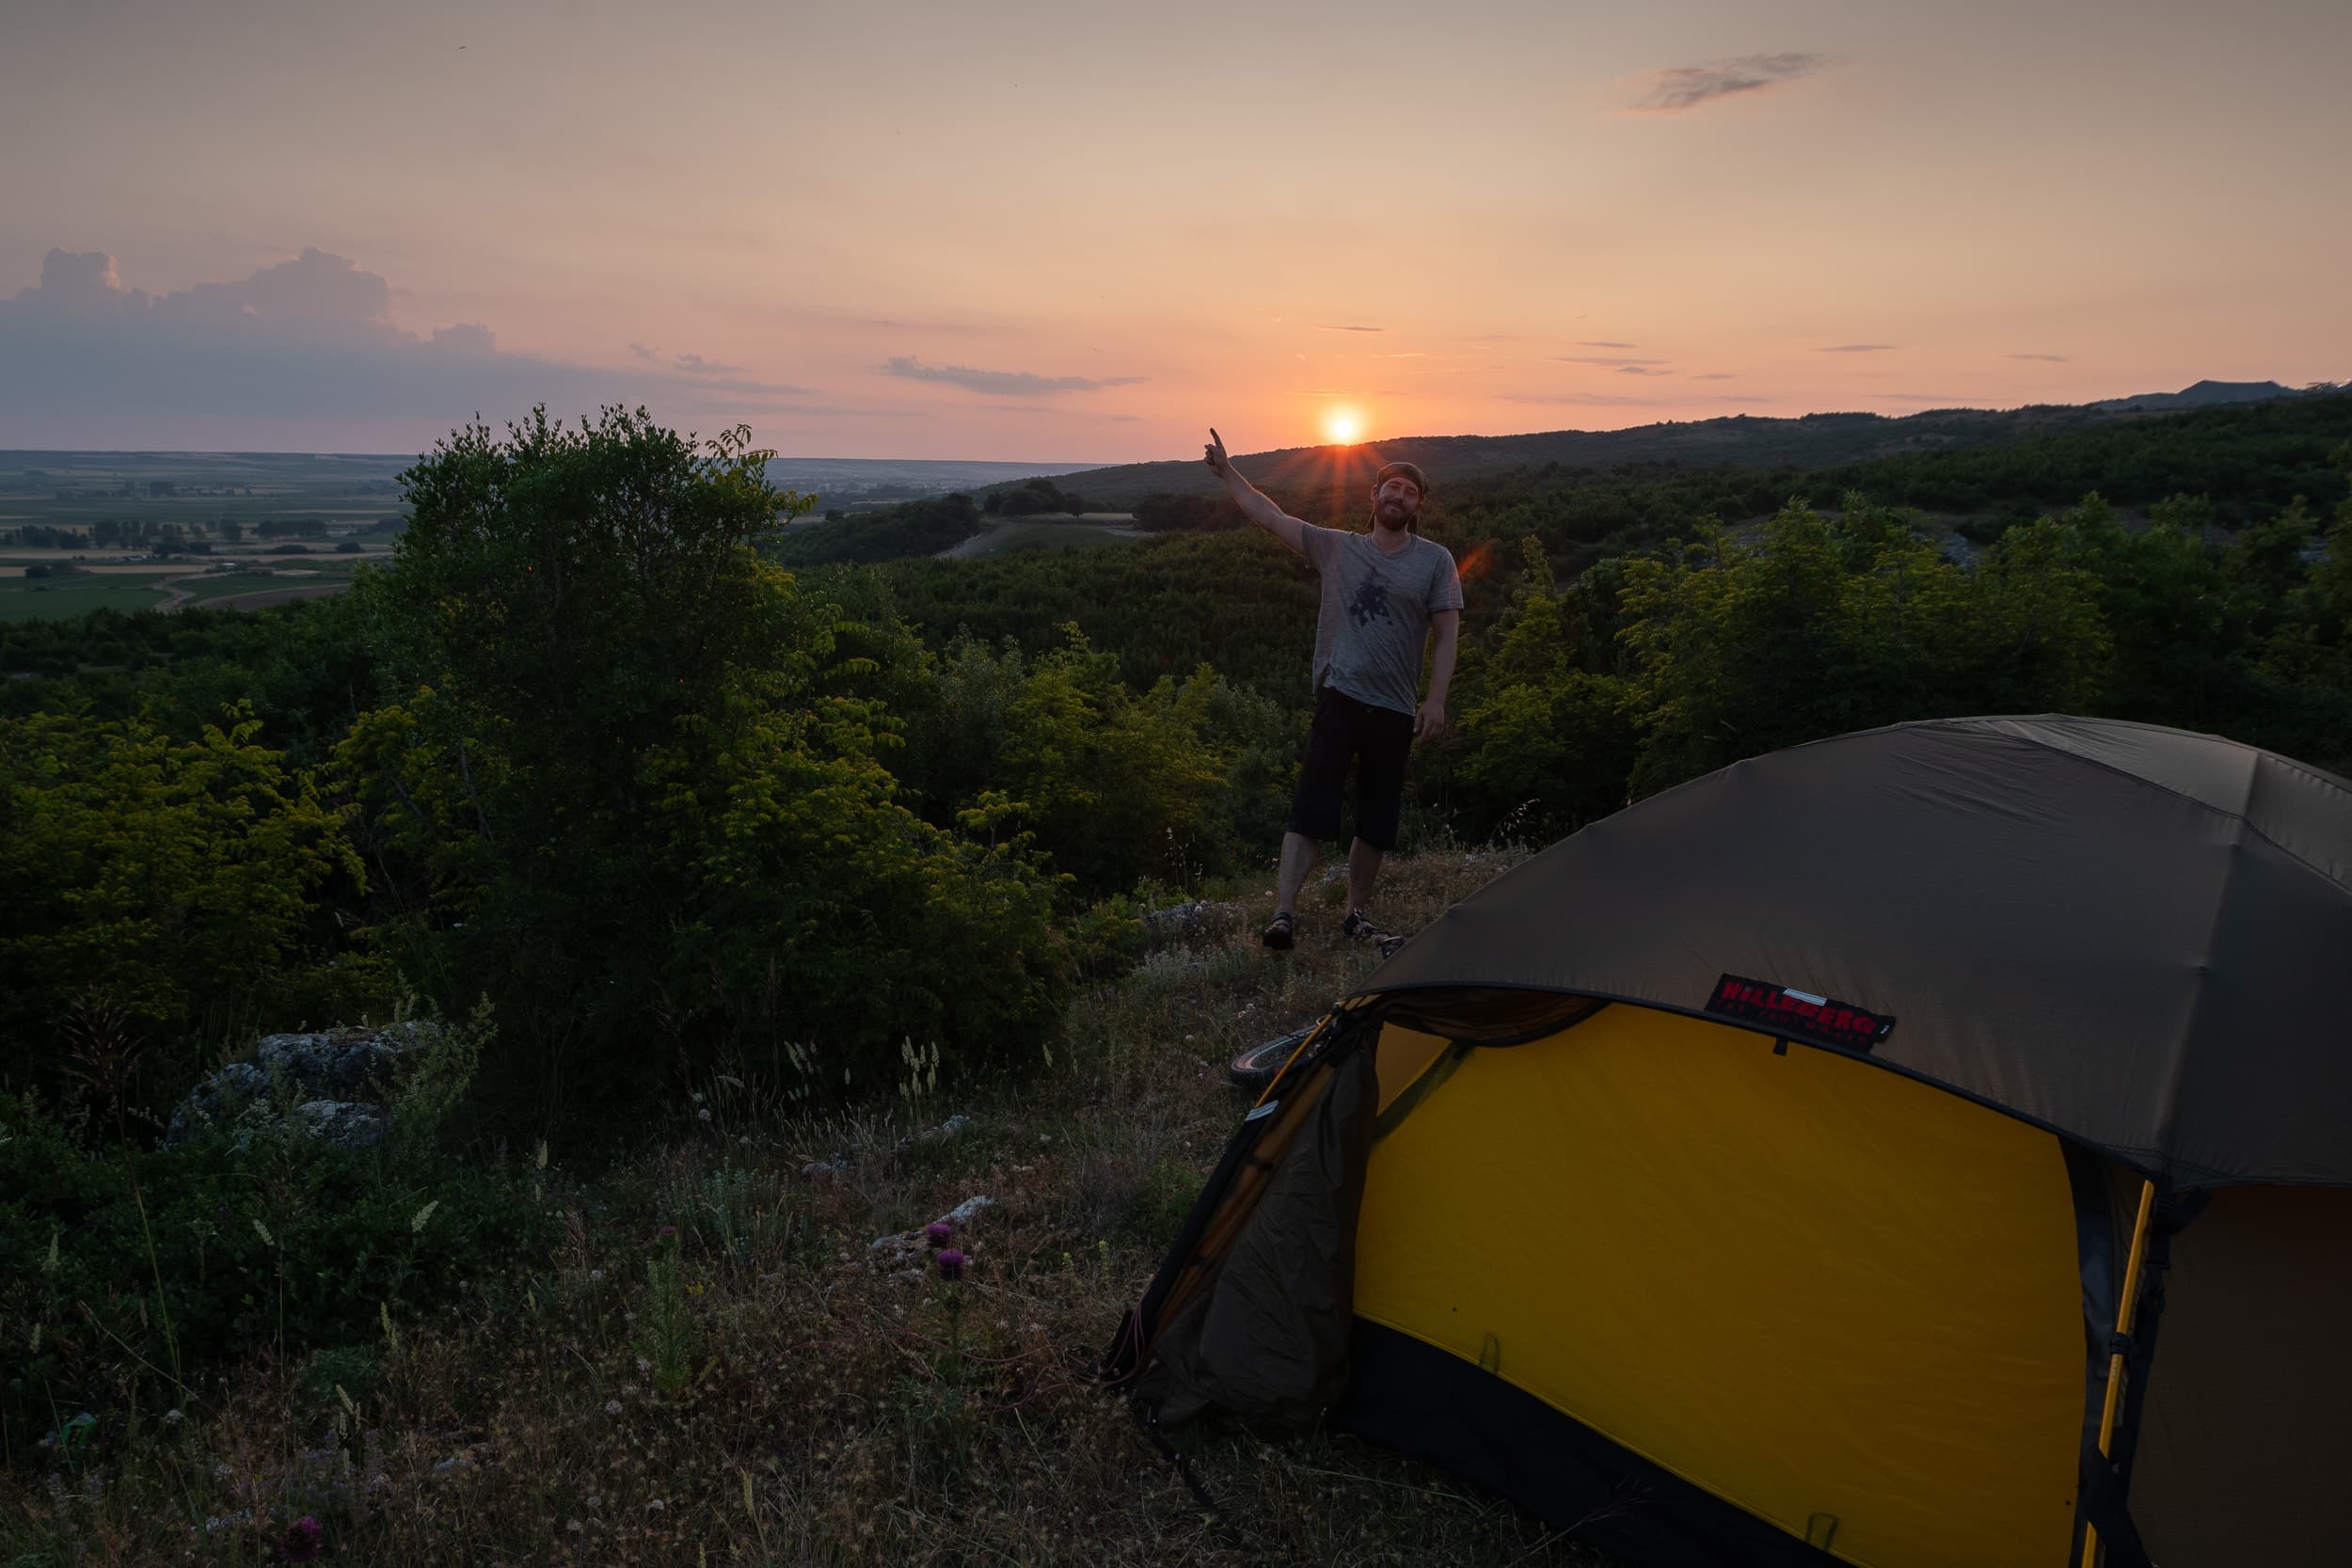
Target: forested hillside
[1741, 440]
[588, 776]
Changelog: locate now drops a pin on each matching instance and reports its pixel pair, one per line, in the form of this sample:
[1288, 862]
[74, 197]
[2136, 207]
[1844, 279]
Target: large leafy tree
[633, 788]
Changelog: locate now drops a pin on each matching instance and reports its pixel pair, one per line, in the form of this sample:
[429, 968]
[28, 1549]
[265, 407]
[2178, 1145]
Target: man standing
[1384, 594]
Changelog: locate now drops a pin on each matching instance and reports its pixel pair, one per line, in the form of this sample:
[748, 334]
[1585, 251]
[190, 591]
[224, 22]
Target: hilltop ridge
[1806, 440]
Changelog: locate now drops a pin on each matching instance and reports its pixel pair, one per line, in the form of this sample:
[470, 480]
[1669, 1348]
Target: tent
[1802, 1166]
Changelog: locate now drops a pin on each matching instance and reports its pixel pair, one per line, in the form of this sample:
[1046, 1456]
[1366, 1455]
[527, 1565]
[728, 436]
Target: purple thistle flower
[939, 1233]
[666, 1232]
[951, 1263]
[304, 1539]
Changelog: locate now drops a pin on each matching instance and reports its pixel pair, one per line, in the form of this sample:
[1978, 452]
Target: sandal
[1278, 932]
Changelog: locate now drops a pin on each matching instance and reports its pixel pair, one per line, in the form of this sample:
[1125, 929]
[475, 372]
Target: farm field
[1085, 531]
[102, 583]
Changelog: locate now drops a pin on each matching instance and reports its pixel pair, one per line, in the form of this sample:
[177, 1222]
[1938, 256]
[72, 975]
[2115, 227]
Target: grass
[770, 1385]
[59, 599]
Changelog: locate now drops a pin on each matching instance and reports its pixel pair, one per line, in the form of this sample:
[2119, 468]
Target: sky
[1075, 232]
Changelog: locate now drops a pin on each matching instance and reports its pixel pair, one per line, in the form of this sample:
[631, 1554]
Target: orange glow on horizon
[1344, 426]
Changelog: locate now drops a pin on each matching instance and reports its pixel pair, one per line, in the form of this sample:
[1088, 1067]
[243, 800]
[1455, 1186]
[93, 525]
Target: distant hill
[2204, 394]
[1812, 440]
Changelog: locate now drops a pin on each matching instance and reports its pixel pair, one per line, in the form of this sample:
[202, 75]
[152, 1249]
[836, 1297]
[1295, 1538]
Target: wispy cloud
[1641, 370]
[1716, 375]
[1003, 384]
[1581, 399]
[1352, 328]
[1855, 348]
[2044, 359]
[1609, 361]
[1599, 343]
[1686, 87]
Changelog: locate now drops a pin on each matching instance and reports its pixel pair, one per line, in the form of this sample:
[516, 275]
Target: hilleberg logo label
[1799, 1014]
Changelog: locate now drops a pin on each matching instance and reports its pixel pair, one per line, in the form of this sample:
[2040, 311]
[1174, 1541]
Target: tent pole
[2128, 1299]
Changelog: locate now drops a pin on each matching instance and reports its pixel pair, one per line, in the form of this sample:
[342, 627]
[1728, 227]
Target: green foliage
[887, 534]
[1546, 745]
[122, 1267]
[637, 795]
[1033, 498]
[1117, 784]
[1818, 626]
[154, 880]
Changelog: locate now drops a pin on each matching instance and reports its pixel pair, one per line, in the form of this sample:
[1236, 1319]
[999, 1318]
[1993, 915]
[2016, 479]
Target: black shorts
[1377, 740]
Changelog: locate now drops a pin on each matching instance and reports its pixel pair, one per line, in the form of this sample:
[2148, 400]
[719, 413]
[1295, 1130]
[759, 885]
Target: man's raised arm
[1246, 496]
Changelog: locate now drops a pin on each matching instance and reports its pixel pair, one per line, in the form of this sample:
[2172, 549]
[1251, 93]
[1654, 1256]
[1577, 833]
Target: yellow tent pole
[1321, 1024]
[2123, 1307]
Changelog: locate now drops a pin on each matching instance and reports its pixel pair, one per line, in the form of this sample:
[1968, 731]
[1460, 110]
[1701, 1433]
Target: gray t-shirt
[1375, 612]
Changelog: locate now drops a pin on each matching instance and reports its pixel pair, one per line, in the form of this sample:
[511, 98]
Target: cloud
[1686, 87]
[1002, 384]
[1352, 329]
[1856, 348]
[2044, 359]
[1716, 375]
[1587, 400]
[1600, 359]
[1640, 370]
[306, 345]
[1596, 342]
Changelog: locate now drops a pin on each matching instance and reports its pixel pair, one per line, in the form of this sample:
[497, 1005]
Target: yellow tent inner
[1845, 1301]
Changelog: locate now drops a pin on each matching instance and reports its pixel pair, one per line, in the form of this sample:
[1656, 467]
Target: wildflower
[594, 1274]
[939, 1233]
[951, 1263]
[667, 1231]
[267, 1239]
[173, 1418]
[702, 1115]
[416, 1224]
[613, 1407]
[644, 1365]
[304, 1538]
[698, 1100]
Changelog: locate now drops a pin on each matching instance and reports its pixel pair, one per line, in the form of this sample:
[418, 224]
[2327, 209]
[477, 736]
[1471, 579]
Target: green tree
[632, 785]
[154, 880]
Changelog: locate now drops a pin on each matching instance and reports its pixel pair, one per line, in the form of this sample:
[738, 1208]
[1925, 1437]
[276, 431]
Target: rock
[969, 1209]
[344, 1123]
[900, 1245]
[339, 1081]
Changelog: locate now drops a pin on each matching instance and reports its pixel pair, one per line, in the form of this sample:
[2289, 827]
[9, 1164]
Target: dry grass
[769, 1385]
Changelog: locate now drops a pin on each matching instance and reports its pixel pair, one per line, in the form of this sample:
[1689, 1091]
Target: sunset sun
[1340, 424]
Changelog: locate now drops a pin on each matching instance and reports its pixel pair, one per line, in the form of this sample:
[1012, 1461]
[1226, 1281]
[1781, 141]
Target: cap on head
[1403, 471]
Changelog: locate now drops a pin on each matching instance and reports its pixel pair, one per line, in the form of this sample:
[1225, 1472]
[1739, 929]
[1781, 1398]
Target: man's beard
[1393, 514]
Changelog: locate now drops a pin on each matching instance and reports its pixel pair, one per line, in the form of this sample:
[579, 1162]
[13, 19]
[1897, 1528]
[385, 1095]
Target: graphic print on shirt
[1370, 603]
